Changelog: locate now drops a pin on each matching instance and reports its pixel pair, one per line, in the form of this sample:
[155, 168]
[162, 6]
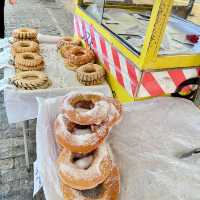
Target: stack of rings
[29, 62]
[24, 46]
[85, 160]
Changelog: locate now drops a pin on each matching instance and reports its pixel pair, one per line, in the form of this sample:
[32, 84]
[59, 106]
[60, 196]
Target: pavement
[51, 18]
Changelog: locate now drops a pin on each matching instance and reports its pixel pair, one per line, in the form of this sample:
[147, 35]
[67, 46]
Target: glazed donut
[108, 190]
[90, 73]
[24, 33]
[85, 108]
[77, 138]
[79, 56]
[28, 59]
[86, 178]
[66, 41]
[30, 80]
[25, 46]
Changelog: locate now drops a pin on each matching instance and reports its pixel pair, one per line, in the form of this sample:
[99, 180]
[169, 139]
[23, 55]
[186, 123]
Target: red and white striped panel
[114, 62]
[136, 83]
[164, 82]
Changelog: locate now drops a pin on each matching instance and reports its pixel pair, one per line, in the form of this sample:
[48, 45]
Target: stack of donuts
[82, 61]
[85, 164]
[27, 61]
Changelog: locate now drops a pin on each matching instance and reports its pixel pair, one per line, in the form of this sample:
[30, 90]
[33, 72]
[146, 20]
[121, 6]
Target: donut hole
[30, 77]
[84, 104]
[83, 161]
[28, 57]
[79, 53]
[23, 44]
[93, 193]
[89, 70]
[77, 129]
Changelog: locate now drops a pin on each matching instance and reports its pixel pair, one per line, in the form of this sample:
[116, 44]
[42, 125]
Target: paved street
[49, 18]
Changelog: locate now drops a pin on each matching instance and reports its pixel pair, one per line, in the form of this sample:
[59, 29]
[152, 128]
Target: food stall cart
[146, 50]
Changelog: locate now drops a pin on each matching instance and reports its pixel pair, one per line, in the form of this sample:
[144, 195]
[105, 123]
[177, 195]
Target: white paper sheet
[146, 145]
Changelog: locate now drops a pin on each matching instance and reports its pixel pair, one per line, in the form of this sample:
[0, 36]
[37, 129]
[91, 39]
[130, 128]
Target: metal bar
[25, 132]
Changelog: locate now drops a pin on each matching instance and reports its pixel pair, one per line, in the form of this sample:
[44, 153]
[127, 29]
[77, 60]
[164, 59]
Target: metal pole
[25, 131]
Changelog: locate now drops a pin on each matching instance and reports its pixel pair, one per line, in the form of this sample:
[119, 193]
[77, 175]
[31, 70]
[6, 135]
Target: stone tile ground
[51, 18]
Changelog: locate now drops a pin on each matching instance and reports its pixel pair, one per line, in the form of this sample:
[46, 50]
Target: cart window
[183, 29]
[128, 21]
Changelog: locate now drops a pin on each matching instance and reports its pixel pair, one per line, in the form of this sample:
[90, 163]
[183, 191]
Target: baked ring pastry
[28, 60]
[25, 33]
[108, 190]
[64, 50]
[30, 80]
[85, 178]
[90, 74]
[94, 82]
[66, 41]
[24, 46]
[24, 40]
[79, 56]
[85, 108]
[77, 138]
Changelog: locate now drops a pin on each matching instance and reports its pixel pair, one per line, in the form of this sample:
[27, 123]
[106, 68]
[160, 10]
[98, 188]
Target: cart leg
[25, 131]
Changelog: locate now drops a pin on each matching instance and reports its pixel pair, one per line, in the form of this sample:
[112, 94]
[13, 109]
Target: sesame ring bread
[66, 41]
[29, 80]
[108, 190]
[25, 33]
[90, 73]
[77, 138]
[85, 108]
[82, 176]
[28, 59]
[24, 46]
[80, 56]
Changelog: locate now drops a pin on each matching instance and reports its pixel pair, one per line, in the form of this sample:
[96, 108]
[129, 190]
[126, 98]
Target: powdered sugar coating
[93, 116]
[94, 175]
[80, 139]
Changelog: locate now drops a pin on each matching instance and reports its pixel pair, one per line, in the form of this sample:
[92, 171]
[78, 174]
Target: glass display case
[148, 47]
[138, 24]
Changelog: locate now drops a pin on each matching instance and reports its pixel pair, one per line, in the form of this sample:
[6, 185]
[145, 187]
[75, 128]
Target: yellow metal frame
[149, 58]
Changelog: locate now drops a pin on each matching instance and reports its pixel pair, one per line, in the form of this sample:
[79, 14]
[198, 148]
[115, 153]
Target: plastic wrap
[147, 146]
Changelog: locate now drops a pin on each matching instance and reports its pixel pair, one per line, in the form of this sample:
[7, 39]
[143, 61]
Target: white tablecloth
[21, 105]
[147, 145]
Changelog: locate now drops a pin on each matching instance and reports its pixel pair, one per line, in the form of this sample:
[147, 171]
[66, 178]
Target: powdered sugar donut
[115, 112]
[76, 138]
[85, 108]
[87, 178]
[108, 190]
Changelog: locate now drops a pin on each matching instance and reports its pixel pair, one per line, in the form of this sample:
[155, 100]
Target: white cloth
[146, 146]
[21, 105]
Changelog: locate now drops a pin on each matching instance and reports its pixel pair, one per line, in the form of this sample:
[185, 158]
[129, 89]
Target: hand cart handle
[192, 94]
